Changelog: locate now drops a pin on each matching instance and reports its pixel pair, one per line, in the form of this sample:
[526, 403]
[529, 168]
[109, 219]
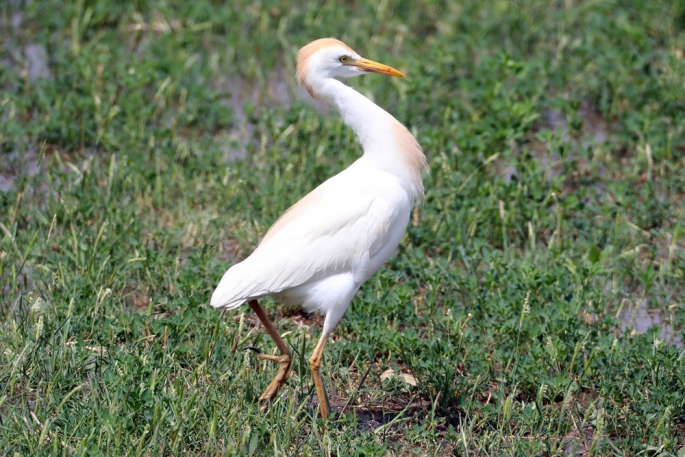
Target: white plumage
[347, 227]
[329, 243]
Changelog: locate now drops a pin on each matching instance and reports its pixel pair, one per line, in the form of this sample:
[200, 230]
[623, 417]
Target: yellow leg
[284, 359]
[315, 364]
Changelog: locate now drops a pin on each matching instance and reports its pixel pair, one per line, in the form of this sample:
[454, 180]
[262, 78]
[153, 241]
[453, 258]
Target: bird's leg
[284, 359]
[315, 364]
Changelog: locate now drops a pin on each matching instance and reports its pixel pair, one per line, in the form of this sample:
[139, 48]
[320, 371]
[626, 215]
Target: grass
[554, 209]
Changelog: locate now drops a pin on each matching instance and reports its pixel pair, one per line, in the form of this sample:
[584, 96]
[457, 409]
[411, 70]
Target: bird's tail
[219, 303]
[230, 293]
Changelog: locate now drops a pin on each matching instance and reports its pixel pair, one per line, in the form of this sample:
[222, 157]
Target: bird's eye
[343, 59]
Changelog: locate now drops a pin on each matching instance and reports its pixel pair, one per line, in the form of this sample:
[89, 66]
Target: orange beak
[375, 67]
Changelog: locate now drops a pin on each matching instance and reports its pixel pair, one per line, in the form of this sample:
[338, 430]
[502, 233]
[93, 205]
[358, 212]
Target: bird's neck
[387, 144]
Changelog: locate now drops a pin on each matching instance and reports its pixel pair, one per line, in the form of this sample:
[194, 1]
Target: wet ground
[641, 318]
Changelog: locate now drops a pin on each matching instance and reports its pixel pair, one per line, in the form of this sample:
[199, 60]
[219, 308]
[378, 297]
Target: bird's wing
[336, 227]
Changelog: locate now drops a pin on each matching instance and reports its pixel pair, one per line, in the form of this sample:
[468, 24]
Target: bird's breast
[385, 248]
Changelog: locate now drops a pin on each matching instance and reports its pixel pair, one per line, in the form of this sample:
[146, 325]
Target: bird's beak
[375, 67]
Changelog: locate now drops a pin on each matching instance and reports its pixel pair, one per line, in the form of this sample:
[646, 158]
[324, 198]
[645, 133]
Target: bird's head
[331, 58]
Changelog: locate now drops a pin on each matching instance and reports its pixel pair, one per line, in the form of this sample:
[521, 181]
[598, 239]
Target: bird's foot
[280, 378]
[274, 358]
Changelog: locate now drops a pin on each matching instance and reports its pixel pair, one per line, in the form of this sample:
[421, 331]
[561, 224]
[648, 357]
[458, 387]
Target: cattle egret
[330, 242]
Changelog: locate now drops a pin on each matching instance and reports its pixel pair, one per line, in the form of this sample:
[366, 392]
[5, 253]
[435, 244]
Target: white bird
[330, 242]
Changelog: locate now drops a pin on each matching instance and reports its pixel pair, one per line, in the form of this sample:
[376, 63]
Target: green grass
[555, 207]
